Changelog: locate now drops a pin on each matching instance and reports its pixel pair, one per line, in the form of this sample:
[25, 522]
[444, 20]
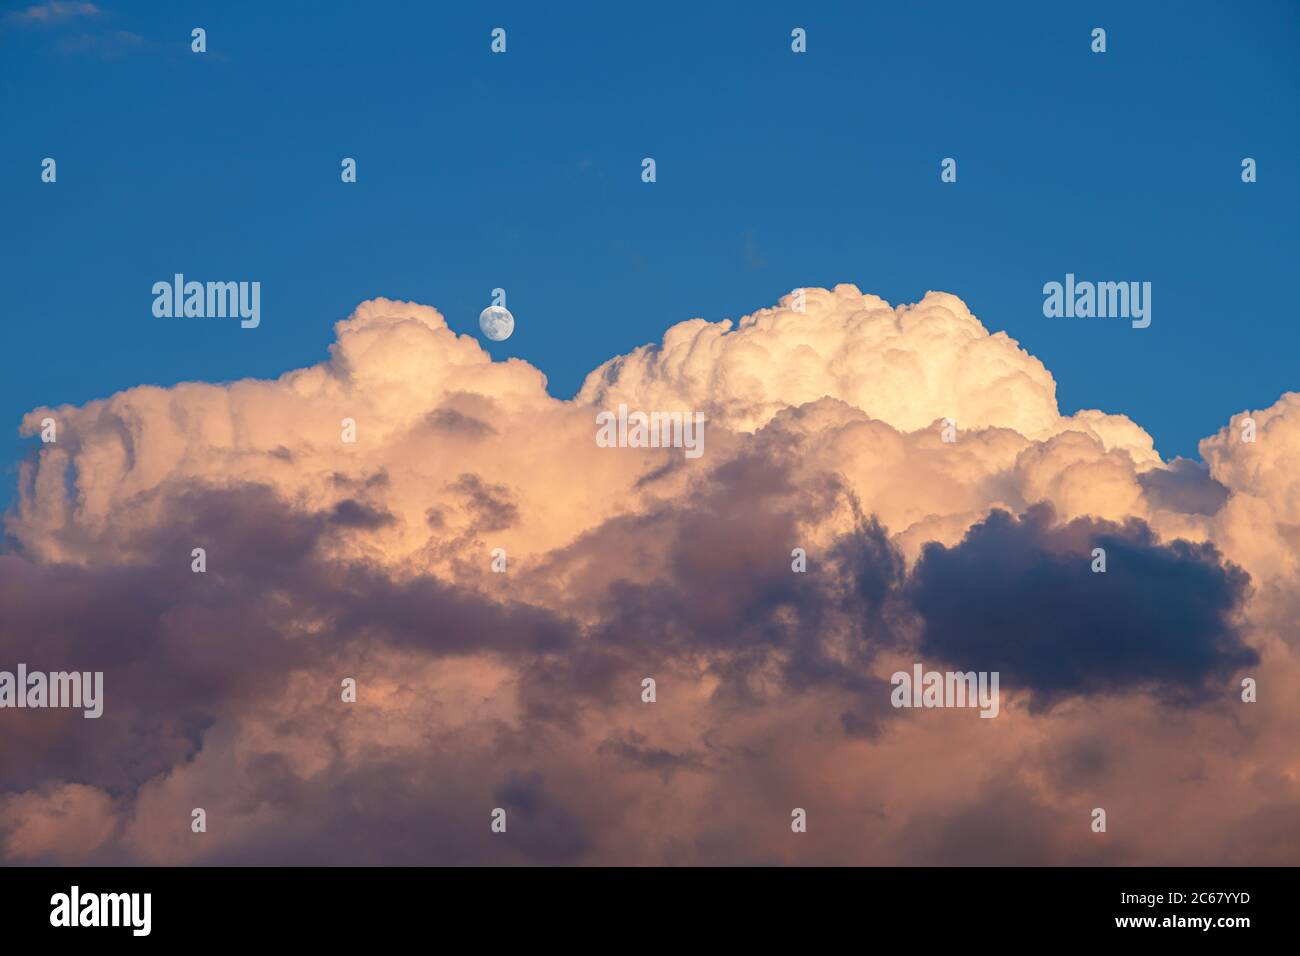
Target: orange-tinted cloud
[330, 559]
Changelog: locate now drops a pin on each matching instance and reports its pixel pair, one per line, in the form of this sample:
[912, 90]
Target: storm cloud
[1021, 596]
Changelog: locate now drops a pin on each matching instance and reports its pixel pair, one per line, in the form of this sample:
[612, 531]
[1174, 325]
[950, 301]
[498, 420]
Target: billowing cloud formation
[372, 559]
[906, 366]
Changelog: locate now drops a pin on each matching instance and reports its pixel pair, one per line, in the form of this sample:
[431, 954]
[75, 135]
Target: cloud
[329, 559]
[64, 823]
[908, 367]
[62, 16]
[53, 12]
[1020, 596]
[1185, 486]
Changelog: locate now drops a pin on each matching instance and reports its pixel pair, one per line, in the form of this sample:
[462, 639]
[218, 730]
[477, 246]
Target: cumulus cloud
[329, 559]
[907, 366]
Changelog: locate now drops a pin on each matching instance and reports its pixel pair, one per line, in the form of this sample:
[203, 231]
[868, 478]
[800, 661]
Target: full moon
[497, 323]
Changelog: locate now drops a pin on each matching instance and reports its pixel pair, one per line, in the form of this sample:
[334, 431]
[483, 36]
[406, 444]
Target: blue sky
[775, 170]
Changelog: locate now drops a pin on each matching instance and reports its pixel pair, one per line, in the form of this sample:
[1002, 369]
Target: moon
[497, 323]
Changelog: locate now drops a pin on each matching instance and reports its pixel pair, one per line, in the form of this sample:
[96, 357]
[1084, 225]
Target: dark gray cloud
[717, 587]
[1019, 596]
[180, 649]
[633, 750]
[1185, 486]
[489, 505]
[549, 833]
[350, 513]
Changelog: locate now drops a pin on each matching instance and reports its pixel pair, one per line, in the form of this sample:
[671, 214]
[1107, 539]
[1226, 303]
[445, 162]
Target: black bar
[664, 907]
